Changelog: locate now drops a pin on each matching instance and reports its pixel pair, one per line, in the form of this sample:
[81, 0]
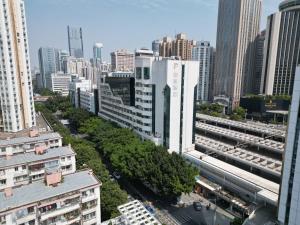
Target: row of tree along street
[168, 175]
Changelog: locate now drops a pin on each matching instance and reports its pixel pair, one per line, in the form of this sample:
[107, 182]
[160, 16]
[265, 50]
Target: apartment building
[16, 99]
[28, 143]
[72, 199]
[179, 47]
[122, 60]
[24, 168]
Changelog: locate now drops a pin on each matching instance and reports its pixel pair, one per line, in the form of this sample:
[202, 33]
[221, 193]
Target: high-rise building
[97, 53]
[75, 41]
[289, 209]
[122, 60]
[282, 49]
[17, 107]
[259, 57]
[203, 52]
[165, 48]
[180, 47]
[62, 55]
[155, 47]
[79, 66]
[49, 63]
[238, 26]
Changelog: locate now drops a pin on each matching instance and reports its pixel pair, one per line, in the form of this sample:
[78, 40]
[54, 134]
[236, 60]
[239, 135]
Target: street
[167, 213]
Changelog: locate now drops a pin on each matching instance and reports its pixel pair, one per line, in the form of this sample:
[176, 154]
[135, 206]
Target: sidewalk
[188, 199]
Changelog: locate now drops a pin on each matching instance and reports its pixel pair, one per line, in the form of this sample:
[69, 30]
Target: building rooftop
[42, 126]
[38, 191]
[287, 4]
[26, 139]
[244, 156]
[271, 145]
[270, 130]
[136, 214]
[266, 189]
[31, 157]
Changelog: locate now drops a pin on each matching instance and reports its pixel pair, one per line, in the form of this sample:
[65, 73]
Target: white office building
[158, 103]
[17, 107]
[289, 209]
[60, 82]
[203, 53]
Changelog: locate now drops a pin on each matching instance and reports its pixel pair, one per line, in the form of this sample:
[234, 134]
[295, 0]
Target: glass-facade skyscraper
[75, 41]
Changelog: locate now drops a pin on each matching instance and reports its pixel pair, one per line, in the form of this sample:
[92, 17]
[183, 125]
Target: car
[116, 175]
[150, 209]
[197, 206]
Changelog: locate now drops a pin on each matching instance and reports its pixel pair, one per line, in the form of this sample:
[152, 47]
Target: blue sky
[123, 23]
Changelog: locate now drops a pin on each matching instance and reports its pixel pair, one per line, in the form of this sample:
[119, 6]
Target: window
[2, 182]
[138, 73]
[16, 168]
[146, 73]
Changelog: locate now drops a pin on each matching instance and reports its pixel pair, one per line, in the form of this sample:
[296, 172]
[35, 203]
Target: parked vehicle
[197, 206]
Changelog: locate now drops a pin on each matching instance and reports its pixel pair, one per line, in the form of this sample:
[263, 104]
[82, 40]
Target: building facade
[49, 63]
[155, 47]
[75, 199]
[238, 26]
[122, 60]
[97, 54]
[180, 47]
[259, 58]
[60, 83]
[158, 103]
[75, 41]
[17, 107]
[289, 210]
[282, 49]
[22, 169]
[203, 53]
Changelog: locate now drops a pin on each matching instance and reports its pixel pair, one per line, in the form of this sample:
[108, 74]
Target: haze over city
[126, 24]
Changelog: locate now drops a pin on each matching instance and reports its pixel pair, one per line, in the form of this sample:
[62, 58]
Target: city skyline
[124, 15]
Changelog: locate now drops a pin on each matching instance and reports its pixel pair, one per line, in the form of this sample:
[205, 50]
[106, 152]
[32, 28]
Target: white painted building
[24, 144]
[158, 103]
[60, 82]
[16, 93]
[75, 199]
[77, 84]
[21, 169]
[289, 209]
[87, 101]
[133, 213]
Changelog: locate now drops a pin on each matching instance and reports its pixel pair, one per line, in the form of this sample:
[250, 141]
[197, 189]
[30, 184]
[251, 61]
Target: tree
[238, 114]
[237, 221]
[111, 197]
